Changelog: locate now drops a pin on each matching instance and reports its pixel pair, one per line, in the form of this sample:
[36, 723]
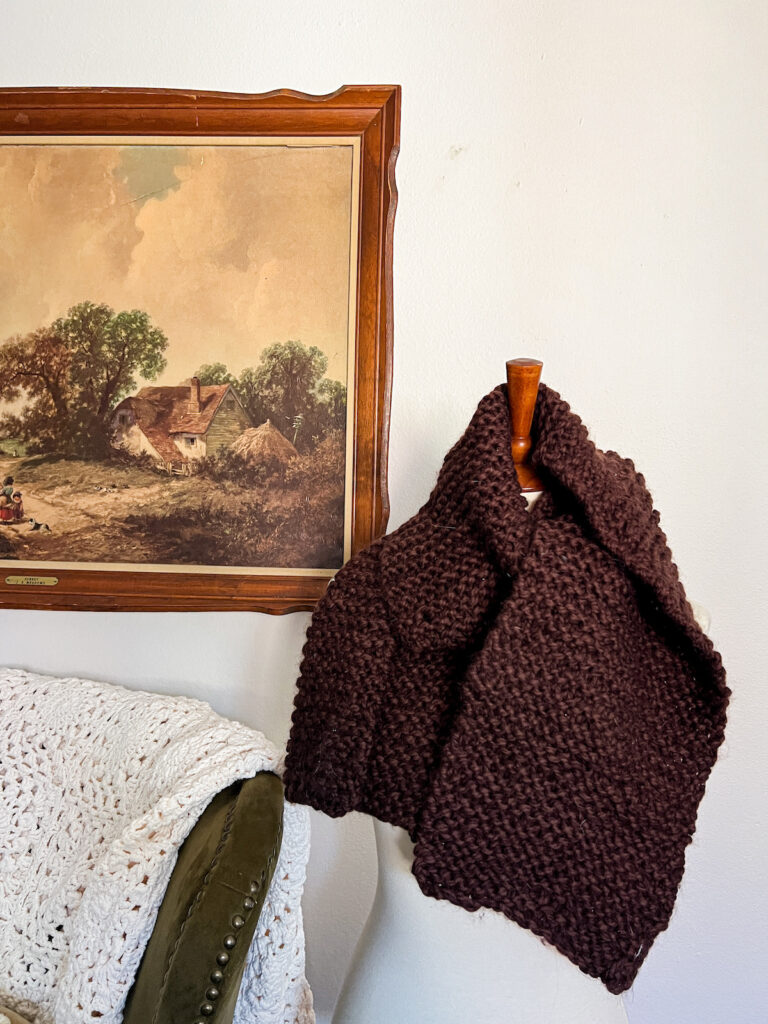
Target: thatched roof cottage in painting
[178, 425]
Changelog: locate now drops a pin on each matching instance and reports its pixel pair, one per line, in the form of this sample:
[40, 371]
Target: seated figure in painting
[13, 512]
[6, 494]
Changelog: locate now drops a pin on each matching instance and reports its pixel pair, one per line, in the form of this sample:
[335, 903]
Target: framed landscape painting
[195, 344]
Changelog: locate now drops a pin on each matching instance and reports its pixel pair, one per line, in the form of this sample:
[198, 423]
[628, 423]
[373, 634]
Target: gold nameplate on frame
[32, 581]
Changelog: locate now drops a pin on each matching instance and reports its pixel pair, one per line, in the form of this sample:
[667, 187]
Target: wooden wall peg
[522, 390]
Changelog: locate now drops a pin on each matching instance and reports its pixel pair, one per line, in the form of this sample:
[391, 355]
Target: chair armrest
[194, 961]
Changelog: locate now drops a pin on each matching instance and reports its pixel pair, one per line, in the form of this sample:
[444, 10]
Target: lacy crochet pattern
[99, 787]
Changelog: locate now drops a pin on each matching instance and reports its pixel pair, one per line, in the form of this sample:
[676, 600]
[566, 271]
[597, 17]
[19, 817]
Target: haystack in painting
[264, 446]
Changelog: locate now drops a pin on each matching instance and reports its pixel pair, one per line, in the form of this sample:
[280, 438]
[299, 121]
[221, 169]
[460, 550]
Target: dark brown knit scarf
[526, 692]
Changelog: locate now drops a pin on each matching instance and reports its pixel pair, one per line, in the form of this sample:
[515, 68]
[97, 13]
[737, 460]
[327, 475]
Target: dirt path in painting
[84, 525]
[116, 512]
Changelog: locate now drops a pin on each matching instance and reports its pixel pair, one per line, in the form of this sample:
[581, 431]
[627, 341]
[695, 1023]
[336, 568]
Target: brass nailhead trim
[229, 941]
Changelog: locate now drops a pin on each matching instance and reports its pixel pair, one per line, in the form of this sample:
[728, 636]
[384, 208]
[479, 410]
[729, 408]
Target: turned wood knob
[523, 377]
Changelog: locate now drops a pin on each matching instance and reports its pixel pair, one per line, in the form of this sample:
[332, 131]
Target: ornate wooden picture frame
[196, 352]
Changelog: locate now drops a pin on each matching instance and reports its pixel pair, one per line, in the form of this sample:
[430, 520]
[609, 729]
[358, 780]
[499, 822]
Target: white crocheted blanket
[99, 786]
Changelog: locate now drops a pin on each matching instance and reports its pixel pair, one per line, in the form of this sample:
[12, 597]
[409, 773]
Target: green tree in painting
[73, 373]
[289, 388]
[215, 373]
[333, 397]
[287, 379]
[248, 389]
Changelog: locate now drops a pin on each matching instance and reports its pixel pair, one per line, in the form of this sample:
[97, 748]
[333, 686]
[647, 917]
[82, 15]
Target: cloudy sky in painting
[228, 248]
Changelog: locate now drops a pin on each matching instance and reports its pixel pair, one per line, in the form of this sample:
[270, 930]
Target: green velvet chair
[194, 961]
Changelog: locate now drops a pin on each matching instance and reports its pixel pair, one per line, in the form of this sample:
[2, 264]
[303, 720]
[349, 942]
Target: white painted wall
[585, 182]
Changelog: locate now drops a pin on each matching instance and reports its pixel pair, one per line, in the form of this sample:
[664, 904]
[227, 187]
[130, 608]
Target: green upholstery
[194, 961]
[220, 879]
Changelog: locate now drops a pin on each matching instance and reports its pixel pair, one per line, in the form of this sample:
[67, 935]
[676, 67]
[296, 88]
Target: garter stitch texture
[526, 692]
[99, 787]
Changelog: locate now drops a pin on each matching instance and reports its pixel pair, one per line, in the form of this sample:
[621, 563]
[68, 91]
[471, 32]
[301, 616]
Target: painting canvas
[177, 331]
